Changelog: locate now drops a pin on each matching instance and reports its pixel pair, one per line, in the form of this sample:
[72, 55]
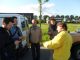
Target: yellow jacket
[61, 44]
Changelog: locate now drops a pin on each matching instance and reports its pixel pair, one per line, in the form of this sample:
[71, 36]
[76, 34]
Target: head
[52, 21]
[61, 26]
[34, 22]
[7, 23]
[14, 20]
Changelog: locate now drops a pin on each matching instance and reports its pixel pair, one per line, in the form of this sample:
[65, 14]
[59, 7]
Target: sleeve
[19, 32]
[30, 34]
[49, 29]
[56, 42]
[40, 34]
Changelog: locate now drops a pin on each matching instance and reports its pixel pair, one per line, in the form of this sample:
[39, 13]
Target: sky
[52, 7]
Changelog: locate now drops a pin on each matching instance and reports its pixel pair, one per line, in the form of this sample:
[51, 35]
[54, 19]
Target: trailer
[75, 50]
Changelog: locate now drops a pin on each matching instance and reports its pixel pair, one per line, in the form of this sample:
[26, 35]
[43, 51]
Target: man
[35, 36]
[15, 31]
[16, 35]
[61, 43]
[6, 43]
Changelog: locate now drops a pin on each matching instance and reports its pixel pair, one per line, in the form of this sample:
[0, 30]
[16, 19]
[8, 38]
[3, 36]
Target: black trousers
[35, 48]
[7, 54]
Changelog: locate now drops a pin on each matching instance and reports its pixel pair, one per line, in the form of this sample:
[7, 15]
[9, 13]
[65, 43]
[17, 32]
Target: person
[52, 28]
[35, 36]
[6, 42]
[16, 35]
[15, 31]
[61, 43]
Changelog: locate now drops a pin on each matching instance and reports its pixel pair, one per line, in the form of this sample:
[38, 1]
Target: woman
[61, 44]
[52, 28]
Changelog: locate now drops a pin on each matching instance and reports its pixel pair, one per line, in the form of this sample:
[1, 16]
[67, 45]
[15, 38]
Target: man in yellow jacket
[61, 44]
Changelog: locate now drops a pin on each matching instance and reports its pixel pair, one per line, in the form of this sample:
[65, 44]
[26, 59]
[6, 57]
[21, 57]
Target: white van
[22, 24]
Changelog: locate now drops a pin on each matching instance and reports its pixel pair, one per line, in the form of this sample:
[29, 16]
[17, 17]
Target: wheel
[75, 52]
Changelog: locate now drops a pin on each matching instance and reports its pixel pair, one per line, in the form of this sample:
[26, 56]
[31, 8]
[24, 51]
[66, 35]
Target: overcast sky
[53, 7]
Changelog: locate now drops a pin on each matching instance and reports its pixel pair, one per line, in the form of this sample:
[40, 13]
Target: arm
[40, 34]
[56, 42]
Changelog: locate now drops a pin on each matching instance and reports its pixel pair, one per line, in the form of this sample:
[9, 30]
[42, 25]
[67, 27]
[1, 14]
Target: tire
[75, 52]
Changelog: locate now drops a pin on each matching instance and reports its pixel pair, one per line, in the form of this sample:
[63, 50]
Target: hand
[41, 44]
[20, 37]
[49, 33]
[17, 42]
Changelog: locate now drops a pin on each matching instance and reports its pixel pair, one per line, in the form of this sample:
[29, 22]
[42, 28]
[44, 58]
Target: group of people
[10, 39]
[60, 40]
[11, 36]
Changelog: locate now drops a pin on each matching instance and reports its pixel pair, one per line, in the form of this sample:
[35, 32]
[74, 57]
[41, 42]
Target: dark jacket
[5, 40]
[52, 31]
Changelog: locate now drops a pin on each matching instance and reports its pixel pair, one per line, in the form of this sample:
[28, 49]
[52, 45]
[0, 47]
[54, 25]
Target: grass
[45, 37]
[71, 27]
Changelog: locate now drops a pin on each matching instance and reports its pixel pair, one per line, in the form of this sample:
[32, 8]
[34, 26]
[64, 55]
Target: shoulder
[17, 28]
[2, 29]
[62, 33]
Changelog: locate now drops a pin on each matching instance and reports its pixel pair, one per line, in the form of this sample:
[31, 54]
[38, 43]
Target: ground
[45, 54]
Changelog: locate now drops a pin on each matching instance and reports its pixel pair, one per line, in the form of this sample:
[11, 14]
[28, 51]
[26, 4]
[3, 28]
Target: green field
[44, 27]
[71, 27]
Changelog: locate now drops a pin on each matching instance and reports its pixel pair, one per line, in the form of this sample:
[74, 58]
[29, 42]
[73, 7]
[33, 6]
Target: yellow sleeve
[56, 42]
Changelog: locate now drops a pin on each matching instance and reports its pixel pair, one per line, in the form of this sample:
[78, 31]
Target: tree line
[66, 18]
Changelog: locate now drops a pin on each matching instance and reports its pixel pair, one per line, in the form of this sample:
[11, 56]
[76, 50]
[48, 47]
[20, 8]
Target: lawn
[71, 27]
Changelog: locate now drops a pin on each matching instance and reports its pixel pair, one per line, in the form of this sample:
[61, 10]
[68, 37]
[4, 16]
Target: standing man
[6, 43]
[35, 36]
[16, 35]
[15, 31]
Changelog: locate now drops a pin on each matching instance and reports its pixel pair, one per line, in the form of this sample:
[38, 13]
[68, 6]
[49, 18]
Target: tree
[57, 16]
[40, 9]
[45, 17]
[35, 17]
[67, 18]
[62, 16]
[71, 17]
[76, 17]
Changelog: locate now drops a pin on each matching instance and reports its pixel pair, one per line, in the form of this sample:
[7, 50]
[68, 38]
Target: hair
[35, 20]
[6, 20]
[52, 18]
[63, 25]
[14, 17]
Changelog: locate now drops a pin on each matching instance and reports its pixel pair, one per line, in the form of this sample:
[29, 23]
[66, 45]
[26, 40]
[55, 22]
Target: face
[34, 22]
[8, 26]
[59, 28]
[52, 22]
[15, 21]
